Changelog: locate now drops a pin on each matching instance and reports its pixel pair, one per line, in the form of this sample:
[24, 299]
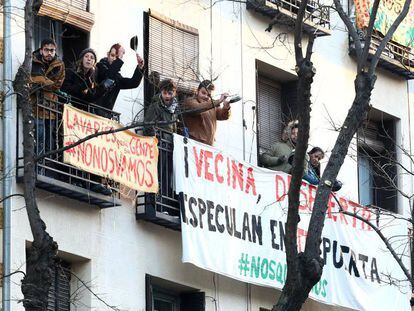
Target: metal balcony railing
[284, 12]
[396, 58]
[162, 208]
[52, 173]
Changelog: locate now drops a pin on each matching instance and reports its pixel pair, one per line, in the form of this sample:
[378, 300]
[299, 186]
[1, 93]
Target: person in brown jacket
[202, 112]
[47, 76]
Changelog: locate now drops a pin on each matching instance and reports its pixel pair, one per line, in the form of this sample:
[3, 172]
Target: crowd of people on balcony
[99, 83]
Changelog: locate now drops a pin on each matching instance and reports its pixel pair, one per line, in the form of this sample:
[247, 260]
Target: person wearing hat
[81, 83]
[277, 158]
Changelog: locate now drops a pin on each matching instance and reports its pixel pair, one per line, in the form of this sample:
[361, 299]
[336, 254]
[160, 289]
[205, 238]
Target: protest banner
[388, 11]
[233, 219]
[124, 156]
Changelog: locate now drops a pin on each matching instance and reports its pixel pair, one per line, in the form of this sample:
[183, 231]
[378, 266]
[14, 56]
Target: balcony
[396, 58]
[284, 12]
[52, 174]
[162, 208]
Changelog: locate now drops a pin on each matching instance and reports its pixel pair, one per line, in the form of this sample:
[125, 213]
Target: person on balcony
[80, 83]
[313, 172]
[277, 157]
[163, 108]
[47, 76]
[109, 67]
[202, 112]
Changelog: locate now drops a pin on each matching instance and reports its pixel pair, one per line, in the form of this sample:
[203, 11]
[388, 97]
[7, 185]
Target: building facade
[110, 245]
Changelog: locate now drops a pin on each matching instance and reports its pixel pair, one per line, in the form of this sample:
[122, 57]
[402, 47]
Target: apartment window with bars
[171, 51]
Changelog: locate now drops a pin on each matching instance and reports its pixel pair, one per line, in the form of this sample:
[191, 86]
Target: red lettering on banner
[208, 155]
[250, 181]
[198, 160]
[301, 236]
[209, 166]
[344, 205]
[219, 158]
[237, 174]
[281, 190]
[331, 205]
[354, 209]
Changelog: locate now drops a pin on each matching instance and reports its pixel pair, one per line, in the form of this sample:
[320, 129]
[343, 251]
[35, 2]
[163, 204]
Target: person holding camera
[109, 69]
[202, 112]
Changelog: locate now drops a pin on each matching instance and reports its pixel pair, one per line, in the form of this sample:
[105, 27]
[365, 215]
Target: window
[163, 295]
[59, 291]
[171, 51]
[73, 12]
[377, 171]
[69, 39]
[276, 104]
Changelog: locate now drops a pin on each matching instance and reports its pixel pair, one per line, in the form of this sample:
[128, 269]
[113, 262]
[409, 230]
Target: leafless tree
[305, 268]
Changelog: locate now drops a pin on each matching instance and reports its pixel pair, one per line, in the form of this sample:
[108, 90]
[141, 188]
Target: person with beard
[47, 76]
[201, 113]
[163, 107]
[277, 157]
[108, 69]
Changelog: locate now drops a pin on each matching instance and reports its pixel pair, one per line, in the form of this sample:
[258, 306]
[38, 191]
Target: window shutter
[51, 302]
[63, 288]
[269, 113]
[73, 12]
[193, 301]
[173, 50]
[59, 292]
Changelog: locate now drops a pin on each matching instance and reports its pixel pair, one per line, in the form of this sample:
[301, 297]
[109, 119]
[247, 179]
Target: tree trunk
[302, 274]
[305, 270]
[42, 252]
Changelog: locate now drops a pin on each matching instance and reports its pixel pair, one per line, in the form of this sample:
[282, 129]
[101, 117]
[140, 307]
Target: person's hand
[140, 61]
[283, 159]
[223, 97]
[121, 52]
[226, 104]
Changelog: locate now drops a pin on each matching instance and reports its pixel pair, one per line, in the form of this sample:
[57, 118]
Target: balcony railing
[396, 58]
[284, 12]
[162, 208]
[52, 173]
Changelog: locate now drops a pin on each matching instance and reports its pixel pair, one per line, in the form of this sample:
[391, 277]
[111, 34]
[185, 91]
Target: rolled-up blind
[173, 51]
[269, 113]
[73, 12]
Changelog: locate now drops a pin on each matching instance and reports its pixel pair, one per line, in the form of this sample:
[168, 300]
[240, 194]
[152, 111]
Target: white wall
[113, 251]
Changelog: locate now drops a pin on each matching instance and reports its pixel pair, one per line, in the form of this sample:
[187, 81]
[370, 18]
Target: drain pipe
[7, 152]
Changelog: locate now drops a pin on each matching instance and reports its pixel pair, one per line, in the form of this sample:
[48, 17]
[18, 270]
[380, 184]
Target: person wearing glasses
[47, 76]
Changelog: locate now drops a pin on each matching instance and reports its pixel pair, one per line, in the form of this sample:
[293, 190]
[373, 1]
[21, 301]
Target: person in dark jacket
[163, 107]
[81, 83]
[109, 67]
[47, 75]
[313, 173]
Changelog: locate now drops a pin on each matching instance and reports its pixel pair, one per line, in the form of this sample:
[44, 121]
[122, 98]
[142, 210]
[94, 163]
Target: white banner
[233, 223]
